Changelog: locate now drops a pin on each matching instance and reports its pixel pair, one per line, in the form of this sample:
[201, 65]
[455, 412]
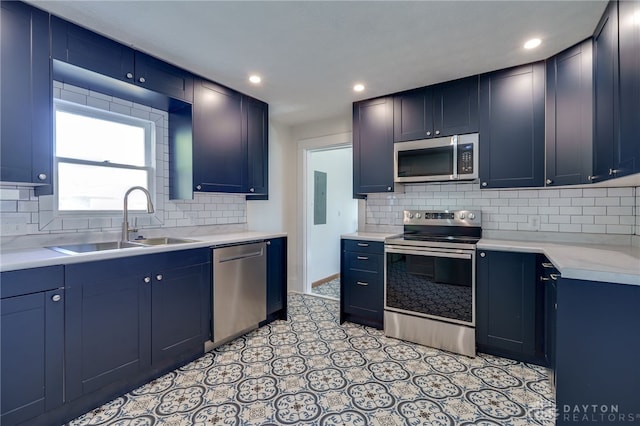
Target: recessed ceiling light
[255, 79]
[358, 87]
[533, 43]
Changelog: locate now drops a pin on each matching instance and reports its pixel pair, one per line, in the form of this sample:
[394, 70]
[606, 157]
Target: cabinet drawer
[364, 262]
[364, 246]
[363, 292]
[26, 281]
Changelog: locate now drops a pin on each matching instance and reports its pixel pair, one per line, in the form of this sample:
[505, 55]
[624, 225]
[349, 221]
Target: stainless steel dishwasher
[239, 290]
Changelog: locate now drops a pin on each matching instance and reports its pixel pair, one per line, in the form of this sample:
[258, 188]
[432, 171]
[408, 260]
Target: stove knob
[410, 215]
[462, 215]
[418, 215]
[472, 216]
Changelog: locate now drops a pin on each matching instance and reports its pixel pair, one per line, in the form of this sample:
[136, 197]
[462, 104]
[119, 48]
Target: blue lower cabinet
[361, 282]
[596, 355]
[130, 320]
[277, 278]
[32, 344]
[508, 306]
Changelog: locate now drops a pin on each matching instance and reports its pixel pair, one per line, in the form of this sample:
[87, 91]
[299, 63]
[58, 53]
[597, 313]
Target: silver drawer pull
[363, 245]
[544, 279]
[554, 276]
[547, 265]
[363, 258]
[362, 283]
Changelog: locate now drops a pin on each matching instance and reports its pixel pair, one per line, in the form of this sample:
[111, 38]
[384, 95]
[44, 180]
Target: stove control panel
[443, 217]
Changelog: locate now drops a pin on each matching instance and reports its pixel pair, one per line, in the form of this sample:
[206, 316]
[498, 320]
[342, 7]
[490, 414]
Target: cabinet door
[107, 323]
[413, 115]
[161, 77]
[455, 107]
[26, 134]
[178, 321]
[512, 127]
[628, 152]
[605, 57]
[373, 146]
[569, 115]
[505, 297]
[32, 355]
[86, 49]
[258, 147]
[277, 276]
[219, 140]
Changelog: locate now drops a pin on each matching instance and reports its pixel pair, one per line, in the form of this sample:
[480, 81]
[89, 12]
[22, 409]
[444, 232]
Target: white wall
[323, 240]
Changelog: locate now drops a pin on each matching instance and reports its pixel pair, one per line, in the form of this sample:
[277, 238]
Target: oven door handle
[466, 256]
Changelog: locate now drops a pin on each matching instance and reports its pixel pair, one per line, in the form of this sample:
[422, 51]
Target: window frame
[91, 112]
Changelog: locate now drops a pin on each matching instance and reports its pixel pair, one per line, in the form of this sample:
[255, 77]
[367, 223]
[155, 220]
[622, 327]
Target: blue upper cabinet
[373, 146]
[605, 57]
[569, 116]
[441, 110]
[628, 153]
[219, 139]
[512, 127]
[26, 141]
[230, 141]
[87, 50]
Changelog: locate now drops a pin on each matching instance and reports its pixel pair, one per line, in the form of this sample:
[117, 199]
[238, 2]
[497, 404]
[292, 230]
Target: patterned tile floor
[330, 289]
[310, 370]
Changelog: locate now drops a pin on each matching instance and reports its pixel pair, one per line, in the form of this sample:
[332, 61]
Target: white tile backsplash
[573, 210]
[24, 214]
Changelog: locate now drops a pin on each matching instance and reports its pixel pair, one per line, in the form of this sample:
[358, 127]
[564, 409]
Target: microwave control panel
[465, 159]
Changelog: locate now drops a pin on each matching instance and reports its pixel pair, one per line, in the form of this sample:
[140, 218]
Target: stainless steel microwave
[438, 159]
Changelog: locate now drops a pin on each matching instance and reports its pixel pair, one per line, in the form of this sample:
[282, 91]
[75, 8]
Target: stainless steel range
[430, 280]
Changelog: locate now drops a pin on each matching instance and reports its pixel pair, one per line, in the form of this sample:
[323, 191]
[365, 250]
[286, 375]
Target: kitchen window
[98, 156]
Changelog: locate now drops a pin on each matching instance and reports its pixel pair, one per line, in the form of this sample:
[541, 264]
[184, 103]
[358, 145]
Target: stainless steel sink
[91, 247]
[116, 245]
[158, 241]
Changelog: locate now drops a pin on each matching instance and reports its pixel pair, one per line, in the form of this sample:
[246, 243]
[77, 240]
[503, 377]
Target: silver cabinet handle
[56, 298]
[363, 258]
[42, 176]
[484, 183]
[363, 245]
[437, 132]
[554, 276]
[142, 80]
[544, 278]
[268, 243]
[129, 75]
[389, 188]
[159, 277]
[549, 181]
[147, 280]
[547, 265]
[198, 187]
[362, 283]
[483, 254]
[252, 190]
[428, 133]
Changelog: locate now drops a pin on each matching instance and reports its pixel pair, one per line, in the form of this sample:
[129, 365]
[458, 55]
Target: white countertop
[369, 236]
[36, 257]
[614, 264]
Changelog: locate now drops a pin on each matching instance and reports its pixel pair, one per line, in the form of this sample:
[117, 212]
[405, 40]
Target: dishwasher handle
[242, 256]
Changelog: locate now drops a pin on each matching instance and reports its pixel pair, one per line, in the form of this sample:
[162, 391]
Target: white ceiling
[310, 53]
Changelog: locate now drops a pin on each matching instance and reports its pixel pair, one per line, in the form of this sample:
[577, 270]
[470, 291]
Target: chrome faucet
[125, 223]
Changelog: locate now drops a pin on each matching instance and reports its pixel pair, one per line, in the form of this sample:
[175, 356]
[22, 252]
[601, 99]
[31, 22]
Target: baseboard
[325, 280]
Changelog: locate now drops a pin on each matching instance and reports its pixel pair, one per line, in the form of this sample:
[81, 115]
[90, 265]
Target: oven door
[431, 282]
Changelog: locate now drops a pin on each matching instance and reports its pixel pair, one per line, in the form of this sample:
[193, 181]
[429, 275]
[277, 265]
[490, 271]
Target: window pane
[82, 187]
[93, 139]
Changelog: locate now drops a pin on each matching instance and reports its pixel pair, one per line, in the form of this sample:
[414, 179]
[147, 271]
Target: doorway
[330, 212]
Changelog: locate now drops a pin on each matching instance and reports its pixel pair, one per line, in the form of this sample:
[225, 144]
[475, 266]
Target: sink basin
[90, 247]
[162, 241]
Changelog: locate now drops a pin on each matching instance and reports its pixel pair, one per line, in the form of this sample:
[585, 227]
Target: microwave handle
[454, 142]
